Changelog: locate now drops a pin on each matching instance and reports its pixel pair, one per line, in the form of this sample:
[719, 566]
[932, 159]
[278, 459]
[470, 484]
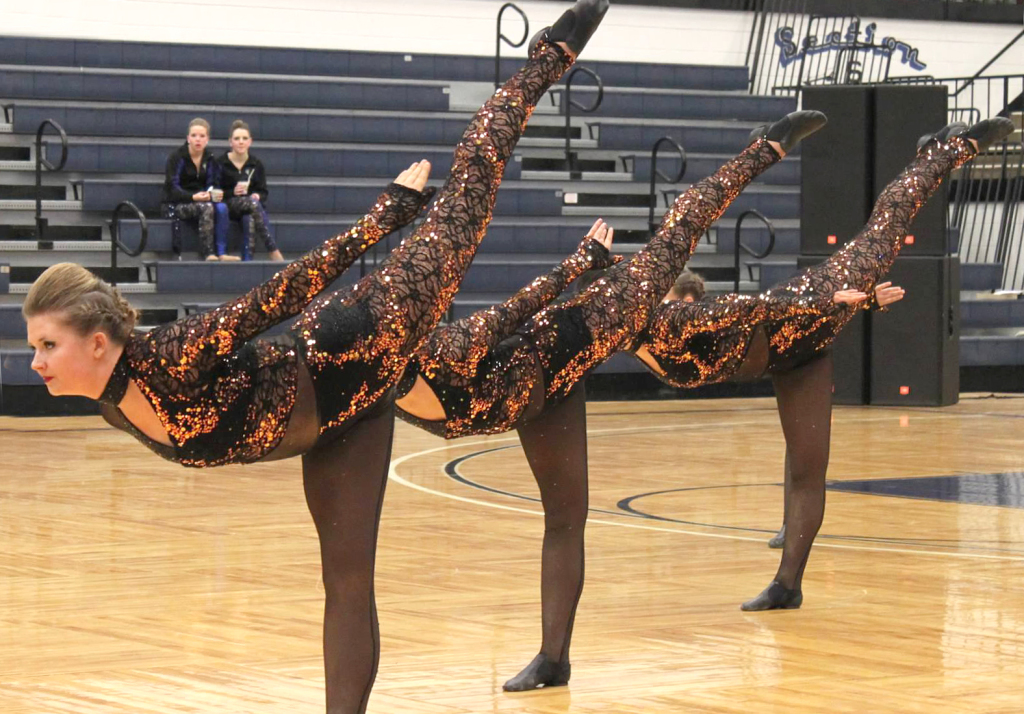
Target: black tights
[804, 396]
[345, 472]
[556, 449]
[344, 481]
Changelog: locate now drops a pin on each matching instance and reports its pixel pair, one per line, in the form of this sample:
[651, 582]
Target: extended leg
[387, 314]
[574, 337]
[344, 483]
[556, 448]
[804, 397]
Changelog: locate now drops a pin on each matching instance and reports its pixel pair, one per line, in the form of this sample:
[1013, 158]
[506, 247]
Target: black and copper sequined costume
[225, 396]
[707, 341]
[457, 360]
[555, 348]
[324, 389]
[787, 332]
[488, 382]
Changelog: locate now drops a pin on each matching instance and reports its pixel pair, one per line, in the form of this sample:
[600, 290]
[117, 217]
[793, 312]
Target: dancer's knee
[566, 520]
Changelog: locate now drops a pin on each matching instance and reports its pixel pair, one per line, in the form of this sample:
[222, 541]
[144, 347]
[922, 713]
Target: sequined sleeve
[195, 341]
[457, 349]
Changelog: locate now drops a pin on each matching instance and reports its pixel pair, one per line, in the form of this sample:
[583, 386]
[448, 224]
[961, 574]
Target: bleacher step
[24, 205]
[125, 288]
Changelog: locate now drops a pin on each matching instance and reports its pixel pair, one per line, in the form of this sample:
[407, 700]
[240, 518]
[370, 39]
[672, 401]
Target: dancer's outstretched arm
[457, 349]
[194, 342]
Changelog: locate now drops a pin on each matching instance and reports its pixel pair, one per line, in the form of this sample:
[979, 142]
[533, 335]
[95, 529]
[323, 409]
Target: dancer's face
[240, 141]
[69, 363]
[198, 138]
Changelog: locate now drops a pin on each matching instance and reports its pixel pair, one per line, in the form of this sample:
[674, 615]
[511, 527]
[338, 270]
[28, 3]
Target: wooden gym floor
[128, 584]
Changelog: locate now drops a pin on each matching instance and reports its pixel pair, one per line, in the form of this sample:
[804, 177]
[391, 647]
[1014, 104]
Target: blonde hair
[84, 302]
[199, 121]
[239, 124]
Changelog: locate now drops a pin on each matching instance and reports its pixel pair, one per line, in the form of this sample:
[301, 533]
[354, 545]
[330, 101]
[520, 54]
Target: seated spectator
[244, 181]
[191, 192]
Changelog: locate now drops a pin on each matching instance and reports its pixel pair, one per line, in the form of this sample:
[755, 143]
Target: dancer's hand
[201, 197]
[886, 294]
[415, 177]
[849, 297]
[602, 233]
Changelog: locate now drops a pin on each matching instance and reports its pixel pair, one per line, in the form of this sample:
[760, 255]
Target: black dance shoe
[790, 129]
[575, 26]
[775, 597]
[990, 131]
[942, 135]
[541, 672]
[779, 539]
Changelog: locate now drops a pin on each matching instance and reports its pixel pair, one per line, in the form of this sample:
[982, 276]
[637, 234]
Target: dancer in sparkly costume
[786, 333]
[718, 339]
[519, 366]
[208, 390]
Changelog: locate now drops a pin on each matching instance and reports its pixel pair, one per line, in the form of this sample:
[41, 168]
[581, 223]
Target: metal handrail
[500, 37]
[42, 163]
[570, 158]
[655, 174]
[750, 251]
[115, 237]
[992, 61]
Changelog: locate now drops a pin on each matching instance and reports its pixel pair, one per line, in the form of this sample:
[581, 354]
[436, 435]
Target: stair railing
[501, 37]
[738, 245]
[115, 236]
[570, 157]
[41, 163]
[657, 173]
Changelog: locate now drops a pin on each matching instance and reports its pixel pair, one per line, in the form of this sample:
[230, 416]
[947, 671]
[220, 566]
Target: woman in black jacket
[244, 181]
[191, 181]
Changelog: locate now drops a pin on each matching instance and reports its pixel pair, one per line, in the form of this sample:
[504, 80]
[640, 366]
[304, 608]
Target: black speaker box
[914, 347]
[902, 115]
[836, 172]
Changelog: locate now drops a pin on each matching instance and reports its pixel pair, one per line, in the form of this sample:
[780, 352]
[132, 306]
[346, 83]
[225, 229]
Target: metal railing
[656, 174]
[975, 98]
[115, 236]
[986, 200]
[570, 157]
[501, 37]
[41, 163]
[738, 245]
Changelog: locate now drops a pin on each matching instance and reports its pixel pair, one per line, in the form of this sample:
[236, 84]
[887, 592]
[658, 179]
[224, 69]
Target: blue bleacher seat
[218, 58]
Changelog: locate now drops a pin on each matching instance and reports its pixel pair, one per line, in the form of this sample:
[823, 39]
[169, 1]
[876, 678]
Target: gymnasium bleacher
[332, 128]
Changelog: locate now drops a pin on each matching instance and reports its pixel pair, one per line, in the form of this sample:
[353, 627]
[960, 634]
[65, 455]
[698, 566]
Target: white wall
[464, 27]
